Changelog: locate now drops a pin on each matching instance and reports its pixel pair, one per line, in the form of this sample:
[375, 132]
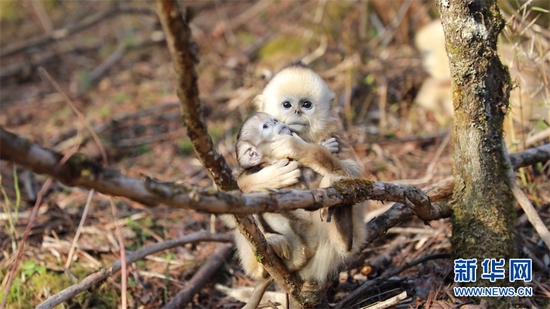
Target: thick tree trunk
[483, 203]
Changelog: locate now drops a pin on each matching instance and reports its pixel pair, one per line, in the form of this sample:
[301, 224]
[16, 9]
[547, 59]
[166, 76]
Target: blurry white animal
[529, 100]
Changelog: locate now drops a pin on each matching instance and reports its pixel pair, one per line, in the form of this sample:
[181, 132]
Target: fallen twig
[201, 277]
[524, 202]
[79, 230]
[104, 273]
[388, 302]
[31, 63]
[96, 74]
[368, 284]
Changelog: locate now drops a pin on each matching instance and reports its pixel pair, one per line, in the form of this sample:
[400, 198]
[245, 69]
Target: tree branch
[78, 171]
[184, 53]
[200, 278]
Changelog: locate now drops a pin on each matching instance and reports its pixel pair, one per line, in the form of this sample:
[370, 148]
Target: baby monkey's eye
[287, 104]
[307, 104]
[266, 126]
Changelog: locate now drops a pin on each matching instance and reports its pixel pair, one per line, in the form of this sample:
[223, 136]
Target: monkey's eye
[307, 104]
[287, 104]
[266, 126]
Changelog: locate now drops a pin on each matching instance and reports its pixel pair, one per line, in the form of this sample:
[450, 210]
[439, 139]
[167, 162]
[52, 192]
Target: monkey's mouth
[296, 127]
[285, 130]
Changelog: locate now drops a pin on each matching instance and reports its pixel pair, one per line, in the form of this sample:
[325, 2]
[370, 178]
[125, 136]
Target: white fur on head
[297, 81]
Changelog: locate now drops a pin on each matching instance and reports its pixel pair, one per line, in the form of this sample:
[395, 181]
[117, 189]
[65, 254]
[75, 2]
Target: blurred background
[393, 96]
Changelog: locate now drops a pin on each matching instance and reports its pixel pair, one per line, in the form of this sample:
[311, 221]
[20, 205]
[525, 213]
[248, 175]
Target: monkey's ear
[248, 155]
[258, 102]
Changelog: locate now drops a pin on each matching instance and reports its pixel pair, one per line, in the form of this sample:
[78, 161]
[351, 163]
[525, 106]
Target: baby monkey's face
[271, 127]
[254, 139]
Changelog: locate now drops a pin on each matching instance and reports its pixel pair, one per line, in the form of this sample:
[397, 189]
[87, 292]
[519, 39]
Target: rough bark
[483, 212]
[184, 52]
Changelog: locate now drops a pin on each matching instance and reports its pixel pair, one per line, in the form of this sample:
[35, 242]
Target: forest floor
[119, 75]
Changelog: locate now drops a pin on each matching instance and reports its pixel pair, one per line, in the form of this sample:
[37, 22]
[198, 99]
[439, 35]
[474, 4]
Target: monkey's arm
[346, 233]
[311, 155]
[346, 155]
[280, 174]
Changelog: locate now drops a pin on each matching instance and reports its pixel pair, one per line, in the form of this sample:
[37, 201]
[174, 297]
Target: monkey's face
[297, 112]
[298, 97]
[255, 137]
[270, 127]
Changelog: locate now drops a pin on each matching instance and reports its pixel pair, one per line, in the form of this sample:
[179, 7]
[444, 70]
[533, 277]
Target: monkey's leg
[257, 293]
[341, 220]
[342, 216]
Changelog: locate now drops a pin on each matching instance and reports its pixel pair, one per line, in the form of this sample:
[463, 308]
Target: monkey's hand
[288, 146]
[331, 145]
[281, 174]
[279, 244]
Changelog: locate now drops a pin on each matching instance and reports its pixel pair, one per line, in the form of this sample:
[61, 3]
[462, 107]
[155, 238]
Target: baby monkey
[283, 231]
[264, 141]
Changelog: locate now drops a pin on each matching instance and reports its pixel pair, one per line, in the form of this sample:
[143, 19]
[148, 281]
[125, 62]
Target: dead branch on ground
[201, 277]
[31, 63]
[112, 268]
[524, 202]
[370, 283]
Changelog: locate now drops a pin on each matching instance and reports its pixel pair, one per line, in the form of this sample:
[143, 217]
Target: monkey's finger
[331, 145]
[332, 149]
[281, 163]
[291, 165]
[279, 244]
[287, 177]
[291, 178]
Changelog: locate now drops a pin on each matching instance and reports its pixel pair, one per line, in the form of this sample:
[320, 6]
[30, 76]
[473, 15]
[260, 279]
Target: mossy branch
[79, 171]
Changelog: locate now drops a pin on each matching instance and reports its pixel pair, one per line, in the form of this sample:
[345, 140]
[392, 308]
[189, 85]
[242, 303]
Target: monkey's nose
[297, 112]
